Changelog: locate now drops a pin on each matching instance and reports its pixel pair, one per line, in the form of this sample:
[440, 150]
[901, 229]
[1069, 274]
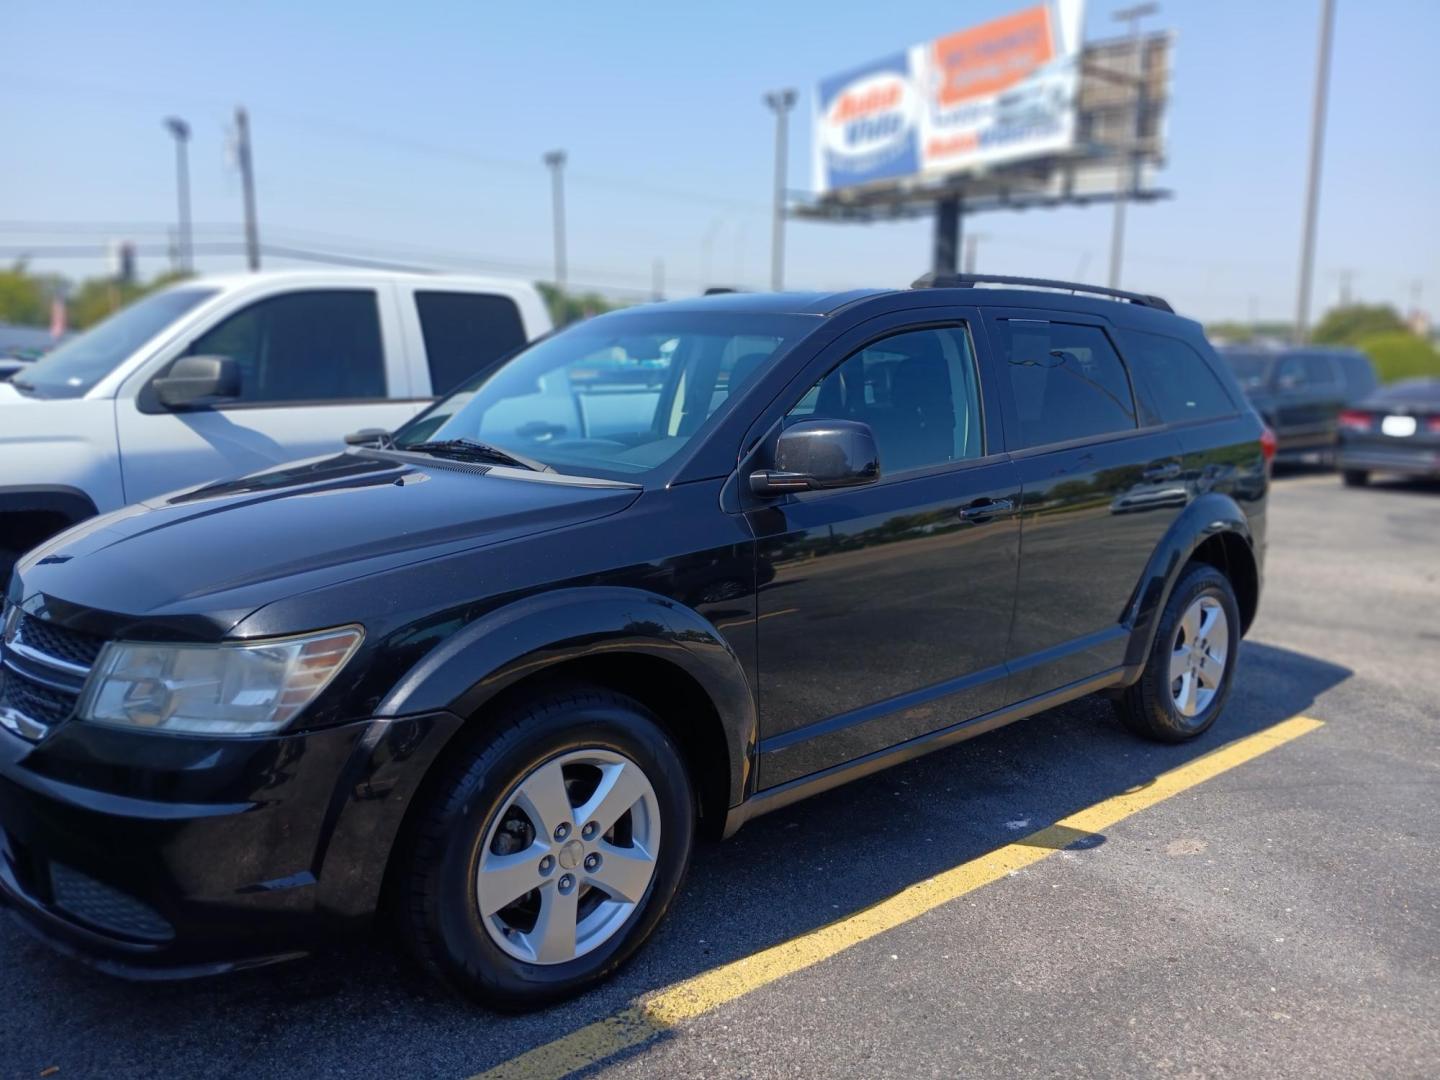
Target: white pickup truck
[222, 376]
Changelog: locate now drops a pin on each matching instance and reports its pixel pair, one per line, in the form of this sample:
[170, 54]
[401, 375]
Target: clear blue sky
[420, 127]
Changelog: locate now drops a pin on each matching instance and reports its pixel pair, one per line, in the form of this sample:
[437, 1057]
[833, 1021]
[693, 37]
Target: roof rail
[934, 280]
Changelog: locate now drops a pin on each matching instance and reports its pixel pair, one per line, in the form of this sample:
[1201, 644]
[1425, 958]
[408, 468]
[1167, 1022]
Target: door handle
[985, 509]
[1169, 471]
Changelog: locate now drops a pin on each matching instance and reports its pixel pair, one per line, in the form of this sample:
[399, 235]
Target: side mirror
[816, 455]
[370, 436]
[197, 381]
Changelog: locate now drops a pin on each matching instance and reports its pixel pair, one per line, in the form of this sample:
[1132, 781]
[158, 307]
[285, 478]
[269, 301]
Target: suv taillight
[1356, 420]
[1268, 445]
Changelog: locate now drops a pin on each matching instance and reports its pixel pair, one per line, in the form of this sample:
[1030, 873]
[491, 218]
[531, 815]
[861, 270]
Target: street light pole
[780, 102]
[247, 183]
[1312, 183]
[1128, 174]
[185, 260]
[555, 159]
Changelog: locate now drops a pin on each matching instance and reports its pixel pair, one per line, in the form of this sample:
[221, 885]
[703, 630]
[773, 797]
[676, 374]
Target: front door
[884, 610]
[1099, 494]
[313, 368]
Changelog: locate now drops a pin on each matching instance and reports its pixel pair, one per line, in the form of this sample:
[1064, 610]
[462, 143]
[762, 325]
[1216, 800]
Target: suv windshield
[615, 396]
[1252, 369]
[72, 369]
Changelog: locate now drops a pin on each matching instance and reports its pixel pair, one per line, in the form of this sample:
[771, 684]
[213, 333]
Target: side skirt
[763, 802]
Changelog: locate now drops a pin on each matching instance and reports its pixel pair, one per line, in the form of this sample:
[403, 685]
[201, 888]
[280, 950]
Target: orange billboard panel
[991, 58]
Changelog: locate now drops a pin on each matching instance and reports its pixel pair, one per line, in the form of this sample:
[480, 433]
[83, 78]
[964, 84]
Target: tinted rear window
[1067, 381]
[465, 333]
[1173, 381]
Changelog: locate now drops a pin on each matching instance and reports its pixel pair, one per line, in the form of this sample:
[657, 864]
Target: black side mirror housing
[370, 436]
[195, 382]
[818, 455]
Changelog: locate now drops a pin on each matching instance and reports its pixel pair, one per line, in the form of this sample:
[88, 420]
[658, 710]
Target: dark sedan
[1394, 430]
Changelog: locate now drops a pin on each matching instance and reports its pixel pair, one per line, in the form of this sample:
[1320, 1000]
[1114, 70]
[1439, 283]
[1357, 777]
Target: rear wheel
[1355, 477]
[1192, 662]
[551, 851]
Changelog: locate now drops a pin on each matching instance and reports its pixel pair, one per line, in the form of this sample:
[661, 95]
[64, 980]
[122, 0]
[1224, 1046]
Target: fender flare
[519, 639]
[1209, 515]
[70, 502]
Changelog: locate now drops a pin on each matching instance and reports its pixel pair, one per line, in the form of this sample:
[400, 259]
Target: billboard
[996, 93]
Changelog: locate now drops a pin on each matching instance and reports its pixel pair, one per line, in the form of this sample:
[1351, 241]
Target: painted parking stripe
[696, 996]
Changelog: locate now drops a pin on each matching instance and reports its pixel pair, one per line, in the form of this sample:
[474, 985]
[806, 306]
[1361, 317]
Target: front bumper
[154, 856]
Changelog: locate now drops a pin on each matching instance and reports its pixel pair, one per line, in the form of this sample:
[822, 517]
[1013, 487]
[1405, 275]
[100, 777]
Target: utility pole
[555, 159]
[1312, 183]
[780, 102]
[246, 162]
[185, 255]
[1128, 173]
[657, 280]
[972, 243]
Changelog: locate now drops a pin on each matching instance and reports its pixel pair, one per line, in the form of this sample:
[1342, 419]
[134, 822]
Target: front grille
[70, 646]
[43, 668]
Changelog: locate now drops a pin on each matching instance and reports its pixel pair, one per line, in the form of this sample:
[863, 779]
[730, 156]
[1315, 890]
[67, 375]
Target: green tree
[1400, 355]
[24, 299]
[98, 298]
[569, 307]
[1347, 325]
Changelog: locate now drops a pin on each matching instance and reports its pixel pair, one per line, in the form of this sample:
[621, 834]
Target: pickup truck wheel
[1192, 662]
[550, 852]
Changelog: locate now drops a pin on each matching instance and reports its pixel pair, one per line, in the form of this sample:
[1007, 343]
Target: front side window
[1305, 371]
[72, 369]
[465, 333]
[1174, 381]
[618, 395]
[315, 346]
[918, 393]
[1068, 383]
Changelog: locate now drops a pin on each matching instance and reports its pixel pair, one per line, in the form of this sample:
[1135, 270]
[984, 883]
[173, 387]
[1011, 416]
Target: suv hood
[196, 562]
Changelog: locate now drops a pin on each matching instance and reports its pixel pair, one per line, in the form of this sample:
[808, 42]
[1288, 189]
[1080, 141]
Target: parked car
[1299, 394]
[1394, 430]
[221, 376]
[501, 674]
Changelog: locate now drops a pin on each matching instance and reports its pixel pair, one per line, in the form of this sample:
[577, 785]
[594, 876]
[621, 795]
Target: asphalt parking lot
[1034, 902]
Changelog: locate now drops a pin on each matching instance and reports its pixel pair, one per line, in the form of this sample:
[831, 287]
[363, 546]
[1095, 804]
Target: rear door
[1100, 491]
[315, 364]
[884, 610]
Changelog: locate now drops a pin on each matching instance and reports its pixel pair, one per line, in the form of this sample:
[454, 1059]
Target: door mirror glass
[816, 455]
[198, 381]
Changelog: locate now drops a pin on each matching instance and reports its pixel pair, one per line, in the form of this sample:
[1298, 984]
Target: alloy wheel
[569, 856]
[1198, 656]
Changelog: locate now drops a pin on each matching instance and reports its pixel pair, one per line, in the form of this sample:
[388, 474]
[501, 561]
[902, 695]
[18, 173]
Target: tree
[566, 308]
[23, 297]
[98, 298]
[1400, 355]
[1347, 325]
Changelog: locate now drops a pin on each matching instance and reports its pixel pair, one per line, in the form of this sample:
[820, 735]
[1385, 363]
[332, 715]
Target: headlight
[239, 688]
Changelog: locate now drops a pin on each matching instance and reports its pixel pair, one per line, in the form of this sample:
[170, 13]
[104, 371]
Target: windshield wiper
[470, 450]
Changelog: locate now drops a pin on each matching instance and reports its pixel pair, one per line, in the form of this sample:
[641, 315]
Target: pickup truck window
[465, 333]
[321, 345]
[72, 369]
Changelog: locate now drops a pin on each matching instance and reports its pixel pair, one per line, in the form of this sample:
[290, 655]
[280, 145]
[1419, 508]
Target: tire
[1354, 477]
[487, 812]
[1150, 707]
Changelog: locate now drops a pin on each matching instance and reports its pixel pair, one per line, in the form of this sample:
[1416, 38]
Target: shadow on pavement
[362, 1010]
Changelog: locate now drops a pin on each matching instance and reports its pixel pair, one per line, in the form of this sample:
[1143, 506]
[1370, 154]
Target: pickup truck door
[315, 365]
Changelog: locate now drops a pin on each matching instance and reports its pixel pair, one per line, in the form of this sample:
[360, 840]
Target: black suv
[668, 569]
[1300, 393]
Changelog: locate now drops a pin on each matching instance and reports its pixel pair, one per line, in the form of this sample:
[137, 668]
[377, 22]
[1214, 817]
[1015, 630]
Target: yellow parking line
[698, 995]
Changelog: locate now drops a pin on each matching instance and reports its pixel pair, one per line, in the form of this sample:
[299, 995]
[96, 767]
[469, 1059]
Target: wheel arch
[30, 515]
[1212, 530]
[660, 652]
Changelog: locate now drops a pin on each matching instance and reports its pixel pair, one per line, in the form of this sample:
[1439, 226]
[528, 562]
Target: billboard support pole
[1128, 178]
[949, 213]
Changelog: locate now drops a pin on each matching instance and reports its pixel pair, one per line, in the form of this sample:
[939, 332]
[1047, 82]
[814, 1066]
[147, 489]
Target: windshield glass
[615, 396]
[72, 369]
[1251, 368]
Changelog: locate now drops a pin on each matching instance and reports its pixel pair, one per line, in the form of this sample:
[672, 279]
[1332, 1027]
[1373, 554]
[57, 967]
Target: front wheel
[551, 851]
[1192, 662]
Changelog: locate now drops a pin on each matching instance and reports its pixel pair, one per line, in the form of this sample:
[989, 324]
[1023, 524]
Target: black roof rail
[934, 280]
